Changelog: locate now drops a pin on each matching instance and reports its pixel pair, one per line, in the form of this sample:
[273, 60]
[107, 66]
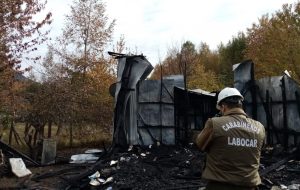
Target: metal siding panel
[273, 84]
[168, 136]
[293, 117]
[150, 114]
[149, 91]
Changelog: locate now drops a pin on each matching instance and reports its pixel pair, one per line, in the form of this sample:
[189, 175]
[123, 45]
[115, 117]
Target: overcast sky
[153, 26]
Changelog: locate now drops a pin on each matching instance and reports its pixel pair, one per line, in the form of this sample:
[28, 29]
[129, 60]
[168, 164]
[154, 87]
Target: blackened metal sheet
[244, 82]
[277, 116]
[262, 113]
[149, 91]
[273, 85]
[150, 136]
[242, 74]
[275, 102]
[156, 110]
[168, 136]
[140, 69]
[120, 69]
[156, 115]
[192, 109]
[131, 69]
[293, 117]
[168, 89]
[291, 87]
[156, 90]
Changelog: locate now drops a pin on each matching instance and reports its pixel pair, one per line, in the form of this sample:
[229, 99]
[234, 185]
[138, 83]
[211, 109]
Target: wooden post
[49, 128]
[285, 123]
[268, 117]
[71, 135]
[253, 91]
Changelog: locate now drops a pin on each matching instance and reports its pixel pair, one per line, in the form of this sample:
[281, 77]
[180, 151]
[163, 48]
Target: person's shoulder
[258, 123]
[219, 119]
[215, 118]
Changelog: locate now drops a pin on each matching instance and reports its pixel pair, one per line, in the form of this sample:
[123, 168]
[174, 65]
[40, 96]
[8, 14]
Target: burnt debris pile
[161, 167]
[155, 167]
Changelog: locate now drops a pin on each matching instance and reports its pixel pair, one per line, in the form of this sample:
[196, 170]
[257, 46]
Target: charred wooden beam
[186, 187]
[275, 165]
[285, 122]
[7, 148]
[253, 91]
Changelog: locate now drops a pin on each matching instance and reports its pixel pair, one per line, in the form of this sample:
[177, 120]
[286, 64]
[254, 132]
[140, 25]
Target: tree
[208, 58]
[187, 61]
[19, 35]
[274, 43]
[232, 53]
[203, 72]
[86, 34]
[85, 71]
[169, 66]
[203, 79]
[177, 62]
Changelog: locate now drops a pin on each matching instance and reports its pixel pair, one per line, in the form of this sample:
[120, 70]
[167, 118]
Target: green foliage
[229, 55]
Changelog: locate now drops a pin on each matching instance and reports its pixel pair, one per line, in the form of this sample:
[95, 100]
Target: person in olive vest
[233, 143]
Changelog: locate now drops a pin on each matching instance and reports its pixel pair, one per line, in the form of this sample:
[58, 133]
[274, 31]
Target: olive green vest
[233, 154]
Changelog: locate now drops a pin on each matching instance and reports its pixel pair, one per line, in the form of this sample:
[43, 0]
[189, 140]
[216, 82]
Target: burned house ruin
[162, 113]
[274, 101]
[151, 111]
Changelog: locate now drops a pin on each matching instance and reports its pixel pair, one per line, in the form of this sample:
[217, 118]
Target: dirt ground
[10, 181]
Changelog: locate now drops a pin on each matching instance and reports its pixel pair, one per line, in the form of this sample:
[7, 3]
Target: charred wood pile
[163, 167]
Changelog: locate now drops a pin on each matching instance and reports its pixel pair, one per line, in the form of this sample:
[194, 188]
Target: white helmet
[228, 92]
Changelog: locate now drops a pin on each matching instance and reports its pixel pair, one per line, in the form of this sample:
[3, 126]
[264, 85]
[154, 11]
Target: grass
[83, 136]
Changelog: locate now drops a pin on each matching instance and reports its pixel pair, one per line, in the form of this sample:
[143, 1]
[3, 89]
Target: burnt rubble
[155, 167]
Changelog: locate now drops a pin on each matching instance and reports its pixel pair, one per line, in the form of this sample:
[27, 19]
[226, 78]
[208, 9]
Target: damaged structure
[154, 121]
[274, 101]
[151, 111]
[144, 109]
[155, 111]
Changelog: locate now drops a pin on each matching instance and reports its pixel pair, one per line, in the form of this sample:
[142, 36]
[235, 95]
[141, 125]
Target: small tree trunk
[12, 128]
[41, 131]
[59, 127]
[71, 135]
[10, 133]
[49, 128]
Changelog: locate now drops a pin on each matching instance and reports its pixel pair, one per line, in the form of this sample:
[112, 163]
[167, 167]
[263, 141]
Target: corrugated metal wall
[156, 111]
[274, 101]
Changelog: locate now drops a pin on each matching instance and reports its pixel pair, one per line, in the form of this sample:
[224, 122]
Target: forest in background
[72, 94]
